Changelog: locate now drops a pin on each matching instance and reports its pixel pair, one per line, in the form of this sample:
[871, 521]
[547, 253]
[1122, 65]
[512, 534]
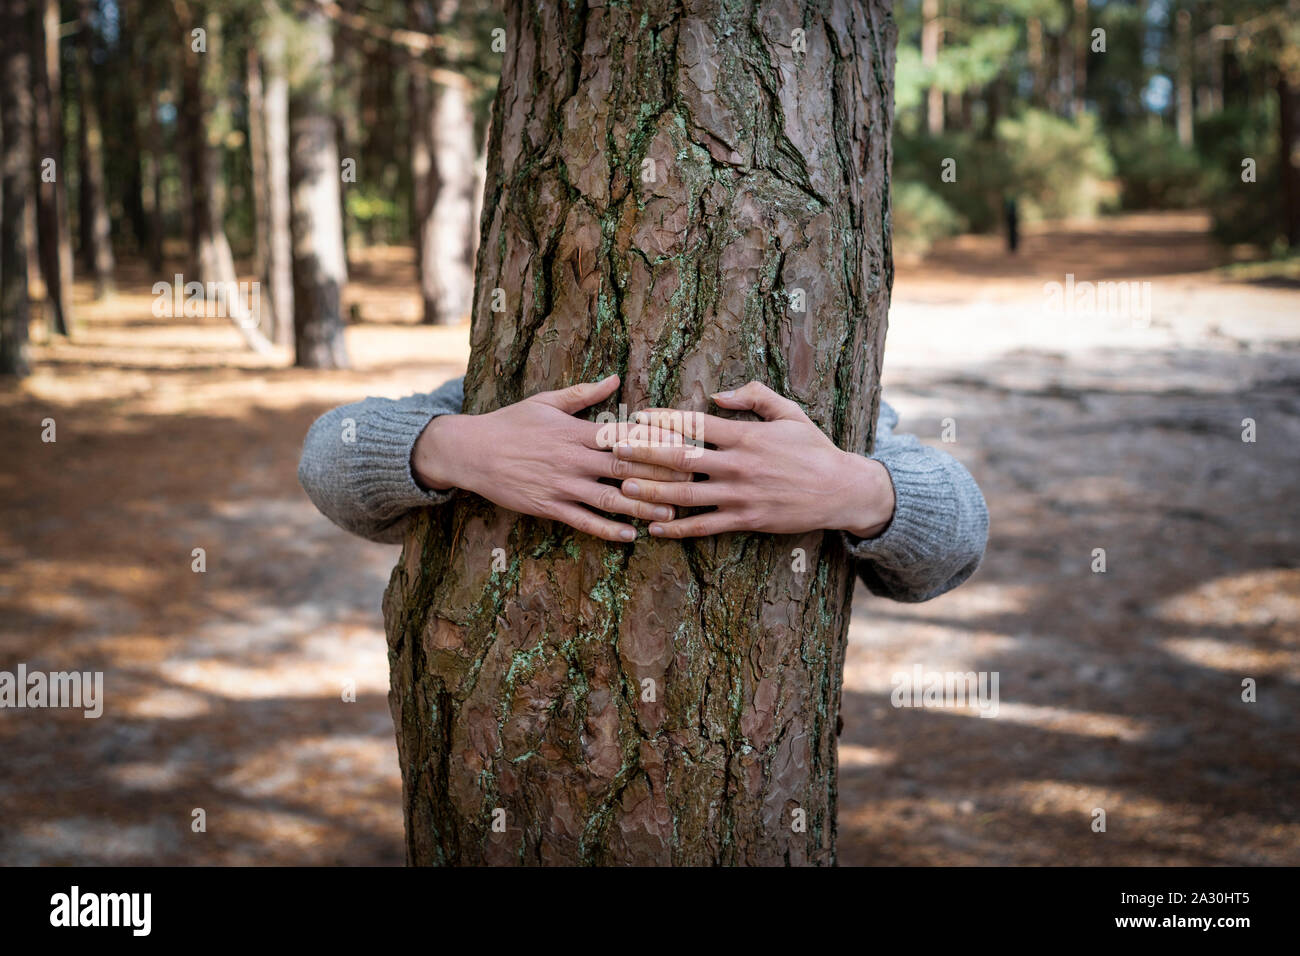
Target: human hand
[781, 475]
[536, 458]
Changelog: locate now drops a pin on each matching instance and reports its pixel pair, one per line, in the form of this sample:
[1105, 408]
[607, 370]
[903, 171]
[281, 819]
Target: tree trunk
[931, 40]
[204, 121]
[261, 189]
[96, 228]
[319, 268]
[444, 183]
[275, 115]
[55, 243]
[693, 201]
[1082, 40]
[128, 187]
[347, 105]
[425, 182]
[1183, 99]
[1037, 71]
[452, 220]
[1288, 101]
[15, 185]
[151, 158]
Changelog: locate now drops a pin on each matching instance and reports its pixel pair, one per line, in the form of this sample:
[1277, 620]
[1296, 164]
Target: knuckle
[608, 498]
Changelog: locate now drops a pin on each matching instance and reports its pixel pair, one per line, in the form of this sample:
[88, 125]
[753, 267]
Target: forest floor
[1119, 691]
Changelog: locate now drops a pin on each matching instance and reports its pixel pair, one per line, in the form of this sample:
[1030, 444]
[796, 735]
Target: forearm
[937, 535]
[356, 461]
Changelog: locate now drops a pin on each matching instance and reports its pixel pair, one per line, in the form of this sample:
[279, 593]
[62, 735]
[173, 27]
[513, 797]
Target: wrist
[438, 457]
[869, 502]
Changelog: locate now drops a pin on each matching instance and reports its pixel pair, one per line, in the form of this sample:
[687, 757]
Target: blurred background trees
[229, 139]
[208, 137]
[1076, 108]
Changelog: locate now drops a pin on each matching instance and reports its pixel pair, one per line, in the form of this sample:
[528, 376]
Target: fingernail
[663, 514]
[628, 534]
[631, 488]
[640, 418]
[657, 530]
[723, 394]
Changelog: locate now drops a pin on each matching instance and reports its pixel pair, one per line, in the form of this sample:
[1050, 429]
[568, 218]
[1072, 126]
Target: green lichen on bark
[525, 690]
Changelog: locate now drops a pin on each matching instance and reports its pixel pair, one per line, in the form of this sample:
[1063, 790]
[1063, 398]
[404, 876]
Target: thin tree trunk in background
[151, 160]
[54, 242]
[425, 181]
[1214, 99]
[1081, 43]
[319, 267]
[275, 116]
[931, 39]
[1064, 73]
[1183, 99]
[660, 702]
[1288, 101]
[127, 97]
[1034, 40]
[347, 104]
[261, 191]
[15, 185]
[203, 123]
[451, 220]
[96, 228]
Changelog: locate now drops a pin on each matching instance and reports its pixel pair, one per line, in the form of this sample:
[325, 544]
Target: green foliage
[376, 213]
[921, 216]
[975, 199]
[1053, 167]
[1059, 167]
[1242, 211]
[1156, 171]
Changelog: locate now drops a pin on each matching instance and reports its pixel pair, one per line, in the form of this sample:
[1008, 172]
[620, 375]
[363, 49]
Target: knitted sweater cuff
[925, 515]
[383, 456]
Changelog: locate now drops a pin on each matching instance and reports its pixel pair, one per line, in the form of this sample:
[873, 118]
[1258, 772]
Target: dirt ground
[1119, 691]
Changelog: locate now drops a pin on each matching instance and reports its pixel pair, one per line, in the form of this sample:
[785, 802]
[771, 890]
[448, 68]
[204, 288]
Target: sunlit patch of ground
[229, 692]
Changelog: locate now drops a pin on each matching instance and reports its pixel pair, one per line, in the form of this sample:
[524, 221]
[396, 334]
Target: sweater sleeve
[356, 461]
[940, 527]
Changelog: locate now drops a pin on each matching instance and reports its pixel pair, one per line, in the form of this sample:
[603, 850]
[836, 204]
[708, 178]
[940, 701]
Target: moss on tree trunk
[691, 197]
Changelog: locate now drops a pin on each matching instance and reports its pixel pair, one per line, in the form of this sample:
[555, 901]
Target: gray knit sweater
[356, 468]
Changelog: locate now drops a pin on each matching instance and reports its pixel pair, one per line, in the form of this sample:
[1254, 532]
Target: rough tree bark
[666, 188]
[15, 185]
